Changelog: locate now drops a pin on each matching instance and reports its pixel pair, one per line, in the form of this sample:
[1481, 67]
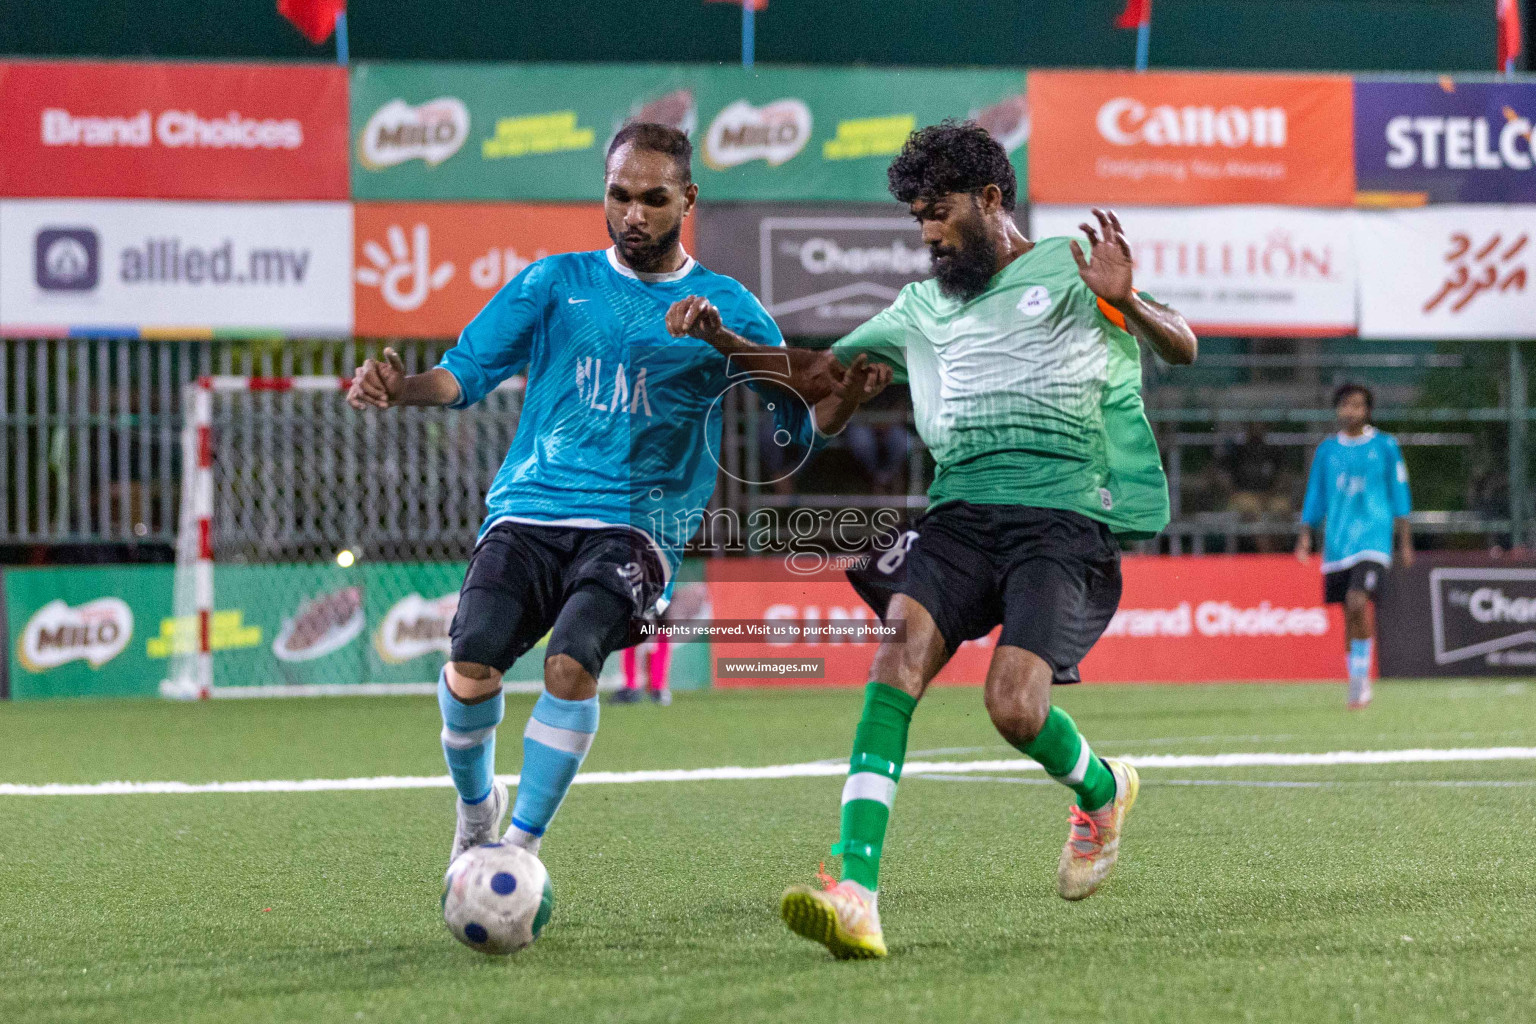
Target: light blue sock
[557, 739]
[1360, 658]
[469, 740]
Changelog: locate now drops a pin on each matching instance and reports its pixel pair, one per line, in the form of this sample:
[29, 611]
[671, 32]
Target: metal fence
[91, 427]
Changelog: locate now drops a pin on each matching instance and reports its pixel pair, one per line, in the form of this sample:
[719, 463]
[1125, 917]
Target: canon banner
[819, 270]
[173, 131]
[1231, 618]
[1455, 615]
[1165, 139]
[1447, 272]
[80, 266]
[423, 270]
[1444, 141]
[1238, 270]
[541, 131]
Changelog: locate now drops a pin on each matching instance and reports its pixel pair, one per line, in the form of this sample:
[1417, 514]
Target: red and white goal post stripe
[192, 678]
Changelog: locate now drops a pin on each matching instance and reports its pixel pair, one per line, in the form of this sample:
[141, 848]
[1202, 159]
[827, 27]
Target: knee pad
[593, 624]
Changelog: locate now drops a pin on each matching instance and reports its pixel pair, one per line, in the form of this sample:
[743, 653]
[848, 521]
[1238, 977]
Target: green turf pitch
[1370, 893]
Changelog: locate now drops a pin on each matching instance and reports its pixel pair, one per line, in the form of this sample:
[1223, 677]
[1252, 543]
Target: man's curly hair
[951, 156]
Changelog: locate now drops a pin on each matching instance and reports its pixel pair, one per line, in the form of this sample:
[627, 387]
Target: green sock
[879, 748]
[1067, 758]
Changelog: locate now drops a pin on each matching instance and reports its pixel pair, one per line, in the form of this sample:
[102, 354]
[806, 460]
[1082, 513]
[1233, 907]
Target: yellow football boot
[839, 916]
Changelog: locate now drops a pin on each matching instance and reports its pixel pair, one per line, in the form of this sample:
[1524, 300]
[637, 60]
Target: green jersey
[1028, 394]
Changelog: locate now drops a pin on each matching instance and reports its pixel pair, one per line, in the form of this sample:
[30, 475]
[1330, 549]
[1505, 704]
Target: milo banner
[1457, 615]
[540, 131]
[281, 629]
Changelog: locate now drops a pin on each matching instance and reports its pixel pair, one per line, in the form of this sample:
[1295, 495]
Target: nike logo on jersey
[577, 302]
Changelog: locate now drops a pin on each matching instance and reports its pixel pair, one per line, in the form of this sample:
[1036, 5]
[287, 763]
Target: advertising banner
[1212, 619]
[77, 632]
[173, 131]
[1240, 270]
[1444, 141]
[540, 131]
[423, 270]
[111, 631]
[1190, 139]
[820, 271]
[1448, 271]
[1457, 615]
[176, 268]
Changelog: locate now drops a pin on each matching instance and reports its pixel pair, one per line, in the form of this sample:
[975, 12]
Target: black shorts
[1050, 577]
[1366, 576]
[523, 577]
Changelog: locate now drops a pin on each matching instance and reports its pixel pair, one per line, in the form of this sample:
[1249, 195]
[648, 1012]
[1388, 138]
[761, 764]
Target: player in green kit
[1025, 375]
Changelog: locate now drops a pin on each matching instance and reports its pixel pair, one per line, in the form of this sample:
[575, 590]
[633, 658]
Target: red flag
[1136, 14]
[756, 5]
[315, 18]
[1509, 32]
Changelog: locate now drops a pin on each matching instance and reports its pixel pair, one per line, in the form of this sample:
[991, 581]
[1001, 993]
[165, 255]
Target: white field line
[811, 769]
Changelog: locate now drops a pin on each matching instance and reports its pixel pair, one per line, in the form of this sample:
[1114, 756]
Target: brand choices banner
[1210, 619]
[425, 269]
[1445, 141]
[1456, 615]
[1267, 270]
[540, 131]
[1447, 272]
[173, 131]
[153, 266]
[1190, 139]
[819, 270]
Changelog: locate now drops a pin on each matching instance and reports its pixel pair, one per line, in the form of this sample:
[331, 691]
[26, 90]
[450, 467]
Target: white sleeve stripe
[870, 786]
[465, 740]
[568, 740]
[1080, 770]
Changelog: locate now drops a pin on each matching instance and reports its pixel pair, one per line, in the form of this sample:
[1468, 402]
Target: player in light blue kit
[606, 478]
[1359, 486]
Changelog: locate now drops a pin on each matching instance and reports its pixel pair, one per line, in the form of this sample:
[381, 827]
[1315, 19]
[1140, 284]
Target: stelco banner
[423, 270]
[173, 131]
[1447, 272]
[1214, 619]
[1457, 615]
[174, 267]
[1190, 139]
[1445, 141]
[1244, 270]
[540, 131]
[820, 271]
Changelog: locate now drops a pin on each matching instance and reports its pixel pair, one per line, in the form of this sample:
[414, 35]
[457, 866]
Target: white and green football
[497, 898]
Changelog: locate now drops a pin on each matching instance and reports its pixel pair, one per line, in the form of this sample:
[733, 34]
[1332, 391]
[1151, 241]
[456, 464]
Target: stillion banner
[1236, 270]
[1444, 141]
[1445, 272]
[540, 131]
[1190, 139]
[173, 131]
[174, 269]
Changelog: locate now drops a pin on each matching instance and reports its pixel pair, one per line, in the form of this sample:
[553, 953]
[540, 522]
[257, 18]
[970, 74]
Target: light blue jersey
[619, 418]
[1358, 485]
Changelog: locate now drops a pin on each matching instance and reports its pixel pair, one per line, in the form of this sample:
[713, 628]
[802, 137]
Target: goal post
[319, 548]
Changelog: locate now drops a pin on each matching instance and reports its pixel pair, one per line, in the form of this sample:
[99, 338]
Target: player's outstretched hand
[695, 316]
[1108, 273]
[378, 383]
[863, 380]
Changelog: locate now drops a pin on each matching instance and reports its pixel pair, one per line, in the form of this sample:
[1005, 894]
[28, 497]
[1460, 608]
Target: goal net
[320, 549]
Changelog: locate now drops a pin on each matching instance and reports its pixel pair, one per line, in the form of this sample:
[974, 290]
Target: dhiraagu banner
[540, 131]
[288, 629]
